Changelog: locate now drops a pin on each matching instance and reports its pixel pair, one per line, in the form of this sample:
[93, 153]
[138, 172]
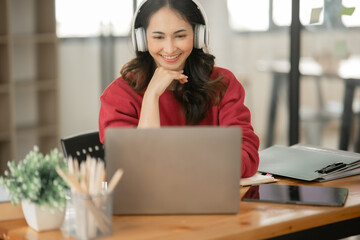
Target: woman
[172, 81]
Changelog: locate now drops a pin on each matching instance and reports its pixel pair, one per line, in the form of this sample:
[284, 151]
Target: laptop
[175, 170]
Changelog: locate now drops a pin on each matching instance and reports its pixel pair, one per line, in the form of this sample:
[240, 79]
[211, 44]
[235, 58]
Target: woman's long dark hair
[199, 93]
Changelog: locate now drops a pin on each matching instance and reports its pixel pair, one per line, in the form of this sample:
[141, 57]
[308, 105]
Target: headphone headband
[201, 32]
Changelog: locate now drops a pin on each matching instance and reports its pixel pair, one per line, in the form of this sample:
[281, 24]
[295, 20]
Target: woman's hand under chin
[161, 80]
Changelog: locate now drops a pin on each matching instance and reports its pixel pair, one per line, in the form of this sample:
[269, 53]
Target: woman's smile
[170, 58]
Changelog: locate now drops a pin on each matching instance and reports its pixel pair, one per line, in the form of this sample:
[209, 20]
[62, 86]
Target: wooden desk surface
[254, 220]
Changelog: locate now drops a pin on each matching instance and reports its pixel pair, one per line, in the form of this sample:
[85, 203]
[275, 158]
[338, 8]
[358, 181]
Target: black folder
[309, 163]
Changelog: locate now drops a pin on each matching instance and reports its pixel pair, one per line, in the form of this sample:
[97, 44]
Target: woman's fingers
[162, 79]
[181, 78]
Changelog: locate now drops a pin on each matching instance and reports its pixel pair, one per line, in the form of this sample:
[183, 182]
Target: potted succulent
[35, 184]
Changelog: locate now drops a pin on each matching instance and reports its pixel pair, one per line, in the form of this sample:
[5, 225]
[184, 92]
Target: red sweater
[120, 107]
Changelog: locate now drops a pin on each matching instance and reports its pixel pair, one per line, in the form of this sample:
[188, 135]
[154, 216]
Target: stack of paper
[309, 163]
[258, 178]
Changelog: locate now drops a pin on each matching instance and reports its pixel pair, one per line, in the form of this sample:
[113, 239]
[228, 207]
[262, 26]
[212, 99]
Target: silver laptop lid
[176, 170]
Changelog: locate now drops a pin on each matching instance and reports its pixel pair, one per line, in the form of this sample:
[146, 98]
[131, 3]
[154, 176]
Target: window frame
[336, 23]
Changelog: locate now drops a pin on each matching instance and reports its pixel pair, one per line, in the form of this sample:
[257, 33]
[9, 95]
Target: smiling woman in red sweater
[173, 80]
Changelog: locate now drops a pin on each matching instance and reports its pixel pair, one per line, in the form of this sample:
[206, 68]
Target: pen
[332, 167]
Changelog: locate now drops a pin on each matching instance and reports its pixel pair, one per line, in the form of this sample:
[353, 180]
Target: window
[311, 12]
[254, 15]
[282, 12]
[89, 18]
[354, 19]
[247, 15]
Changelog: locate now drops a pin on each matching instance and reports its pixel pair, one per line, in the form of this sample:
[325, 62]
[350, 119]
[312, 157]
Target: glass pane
[311, 12]
[282, 12]
[70, 23]
[351, 16]
[87, 18]
[249, 15]
[117, 16]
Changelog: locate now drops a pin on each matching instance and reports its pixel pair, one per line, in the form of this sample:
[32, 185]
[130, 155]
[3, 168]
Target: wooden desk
[254, 220]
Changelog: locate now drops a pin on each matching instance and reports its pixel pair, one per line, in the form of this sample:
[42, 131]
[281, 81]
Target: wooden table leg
[278, 79]
[347, 115]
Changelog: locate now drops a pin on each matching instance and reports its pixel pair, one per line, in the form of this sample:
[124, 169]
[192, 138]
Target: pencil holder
[92, 216]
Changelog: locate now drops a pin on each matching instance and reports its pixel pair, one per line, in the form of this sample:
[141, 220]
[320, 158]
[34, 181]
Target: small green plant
[36, 180]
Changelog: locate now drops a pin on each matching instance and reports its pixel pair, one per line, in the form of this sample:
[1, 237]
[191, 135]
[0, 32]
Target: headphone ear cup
[200, 36]
[140, 36]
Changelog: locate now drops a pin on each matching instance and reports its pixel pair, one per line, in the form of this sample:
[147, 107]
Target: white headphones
[201, 32]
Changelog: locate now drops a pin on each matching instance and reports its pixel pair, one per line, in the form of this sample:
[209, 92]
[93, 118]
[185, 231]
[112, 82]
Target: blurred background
[57, 57]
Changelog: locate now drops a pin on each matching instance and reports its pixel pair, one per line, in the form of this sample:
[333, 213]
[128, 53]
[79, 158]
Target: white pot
[42, 218]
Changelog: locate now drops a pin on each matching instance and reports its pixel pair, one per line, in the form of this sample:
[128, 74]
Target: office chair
[82, 145]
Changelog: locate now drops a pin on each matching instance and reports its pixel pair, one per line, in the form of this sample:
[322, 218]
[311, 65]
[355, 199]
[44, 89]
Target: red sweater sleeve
[233, 112]
[120, 107]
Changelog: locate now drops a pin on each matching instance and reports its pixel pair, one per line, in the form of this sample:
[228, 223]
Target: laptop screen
[175, 170]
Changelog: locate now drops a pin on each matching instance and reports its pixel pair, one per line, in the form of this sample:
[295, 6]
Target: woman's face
[169, 38]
